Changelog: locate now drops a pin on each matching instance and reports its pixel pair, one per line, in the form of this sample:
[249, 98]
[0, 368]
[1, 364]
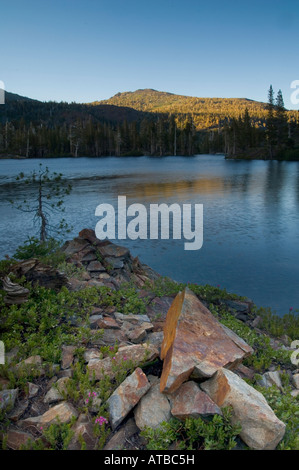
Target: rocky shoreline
[174, 359]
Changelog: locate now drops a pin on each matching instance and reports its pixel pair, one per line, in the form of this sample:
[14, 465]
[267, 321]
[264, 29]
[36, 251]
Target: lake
[251, 216]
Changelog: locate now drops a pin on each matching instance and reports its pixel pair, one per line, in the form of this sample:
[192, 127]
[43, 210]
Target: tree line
[161, 136]
[33, 129]
[275, 136]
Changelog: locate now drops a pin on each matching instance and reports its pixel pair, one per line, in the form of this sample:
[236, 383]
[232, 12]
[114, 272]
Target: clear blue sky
[74, 50]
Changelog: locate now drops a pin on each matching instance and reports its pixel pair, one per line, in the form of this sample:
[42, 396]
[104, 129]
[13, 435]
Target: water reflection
[251, 215]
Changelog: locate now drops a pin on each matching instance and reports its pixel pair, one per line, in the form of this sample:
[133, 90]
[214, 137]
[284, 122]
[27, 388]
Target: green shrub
[286, 408]
[194, 434]
[47, 252]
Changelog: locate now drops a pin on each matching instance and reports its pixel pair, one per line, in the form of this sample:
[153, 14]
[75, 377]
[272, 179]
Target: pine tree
[270, 122]
[281, 120]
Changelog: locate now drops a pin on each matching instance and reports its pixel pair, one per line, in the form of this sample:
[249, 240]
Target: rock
[295, 380]
[109, 338]
[75, 285]
[108, 322]
[38, 408]
[16, 439]
[244, 372]
[295, 393]
[4, 384]
[65, 373]
[147, 326]
[104, 276]
[91, 354]
[135, 319]
[89, 256]
[196, 343]
[30, 363]
[261, 429]
[241, 310]
[95, 266]
[114, 251]
[93, 321]
[83, 430]
[18, 411]
[137, 334]
[63, 413]
[126, 396]
[8, 398]
[55, 394]
[38, 273]
[116, 263]
[269, 379]
[159, 307]
[97, 311]
[67, 356]
[96, 405]
[95, 283]
[32, 390]
[121, 437]
[75, 246]
[156, 339]
[100, 368]
[189, 401]
[153, 409]
[89, 235]
[138, 353]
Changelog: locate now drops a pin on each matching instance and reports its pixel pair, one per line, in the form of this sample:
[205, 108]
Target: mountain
[205, 112]
[9, 97]
[145, 122]
[30, 110]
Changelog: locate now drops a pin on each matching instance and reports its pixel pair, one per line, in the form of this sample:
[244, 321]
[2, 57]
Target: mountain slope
[19, 107]
[9, 97]
[206, 112]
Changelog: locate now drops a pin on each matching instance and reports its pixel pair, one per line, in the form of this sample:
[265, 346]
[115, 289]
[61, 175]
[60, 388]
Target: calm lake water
[251, 216]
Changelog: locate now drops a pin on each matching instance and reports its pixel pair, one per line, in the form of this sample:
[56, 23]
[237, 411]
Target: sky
[74, 50]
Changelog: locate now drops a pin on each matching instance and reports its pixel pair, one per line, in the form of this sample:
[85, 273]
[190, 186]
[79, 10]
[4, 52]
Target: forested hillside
[148, 122]
[205, 112]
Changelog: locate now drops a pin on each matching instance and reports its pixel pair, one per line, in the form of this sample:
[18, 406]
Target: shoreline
[96, 324]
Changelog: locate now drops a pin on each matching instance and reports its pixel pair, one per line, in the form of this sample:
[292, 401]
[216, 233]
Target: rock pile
[186, 364]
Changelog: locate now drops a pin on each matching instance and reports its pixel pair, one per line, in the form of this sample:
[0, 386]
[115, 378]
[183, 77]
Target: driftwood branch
[15, 294]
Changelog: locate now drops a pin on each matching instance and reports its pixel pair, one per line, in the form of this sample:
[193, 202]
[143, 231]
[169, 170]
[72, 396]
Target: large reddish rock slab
[126, 396]
[195, 342]
[189, 401]
[261, 429]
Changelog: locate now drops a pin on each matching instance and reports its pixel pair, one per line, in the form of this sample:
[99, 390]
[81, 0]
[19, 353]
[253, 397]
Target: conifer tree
[281, 120]
[270, 122]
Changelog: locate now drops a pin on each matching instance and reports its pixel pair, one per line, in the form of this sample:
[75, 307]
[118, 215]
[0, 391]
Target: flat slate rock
[114, 251]
[126, 396]
[62, 413]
